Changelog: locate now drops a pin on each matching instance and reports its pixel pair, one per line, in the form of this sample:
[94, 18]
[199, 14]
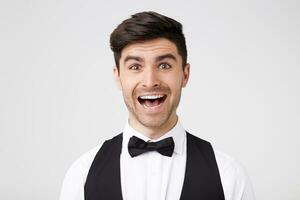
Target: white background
[58, 98]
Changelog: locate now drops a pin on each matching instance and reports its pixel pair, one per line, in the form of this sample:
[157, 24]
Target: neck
[154, 132]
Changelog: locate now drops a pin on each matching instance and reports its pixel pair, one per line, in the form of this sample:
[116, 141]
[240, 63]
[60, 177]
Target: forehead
[150, 48]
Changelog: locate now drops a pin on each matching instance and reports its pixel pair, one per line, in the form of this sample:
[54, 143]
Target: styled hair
[146, 26]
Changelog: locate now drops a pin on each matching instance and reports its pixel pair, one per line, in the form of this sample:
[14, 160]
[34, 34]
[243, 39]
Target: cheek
[174, 82]
[127, 87]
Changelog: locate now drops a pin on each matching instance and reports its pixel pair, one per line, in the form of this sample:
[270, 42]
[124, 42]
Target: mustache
[159, 89]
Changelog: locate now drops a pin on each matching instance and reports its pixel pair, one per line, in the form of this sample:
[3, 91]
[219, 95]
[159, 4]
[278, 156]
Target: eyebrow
[136, 58]
[168, 55]
[159, 58]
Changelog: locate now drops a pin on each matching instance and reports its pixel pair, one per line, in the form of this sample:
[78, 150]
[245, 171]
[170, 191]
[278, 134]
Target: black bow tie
[137, 146]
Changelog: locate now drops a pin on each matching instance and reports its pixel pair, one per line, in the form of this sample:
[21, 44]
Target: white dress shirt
[152, 176]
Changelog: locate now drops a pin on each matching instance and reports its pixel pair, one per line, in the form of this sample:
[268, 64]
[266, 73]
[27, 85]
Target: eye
[135, 67]
[164, 66]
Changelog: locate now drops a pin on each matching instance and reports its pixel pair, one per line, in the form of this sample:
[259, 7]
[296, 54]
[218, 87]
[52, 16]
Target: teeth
[151, 96]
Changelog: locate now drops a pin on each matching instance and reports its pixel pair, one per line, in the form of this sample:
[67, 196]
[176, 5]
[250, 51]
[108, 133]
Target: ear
[186, 75]
[117, 77]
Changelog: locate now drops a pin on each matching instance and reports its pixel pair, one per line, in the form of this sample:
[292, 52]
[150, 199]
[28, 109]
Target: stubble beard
[152, 122]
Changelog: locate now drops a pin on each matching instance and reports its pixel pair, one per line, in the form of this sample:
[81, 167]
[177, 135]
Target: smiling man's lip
[151, 96]
[151, 100]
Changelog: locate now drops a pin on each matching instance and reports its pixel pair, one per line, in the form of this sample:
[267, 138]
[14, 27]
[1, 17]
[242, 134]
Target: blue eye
[164, 66]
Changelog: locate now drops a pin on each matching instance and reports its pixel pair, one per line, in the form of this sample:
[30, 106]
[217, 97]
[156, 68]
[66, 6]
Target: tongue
[152, 103]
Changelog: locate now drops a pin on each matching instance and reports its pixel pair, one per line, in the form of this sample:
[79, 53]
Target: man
[154, 158]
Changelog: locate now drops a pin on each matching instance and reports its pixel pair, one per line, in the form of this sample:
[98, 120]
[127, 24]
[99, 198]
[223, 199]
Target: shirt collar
[177, 133]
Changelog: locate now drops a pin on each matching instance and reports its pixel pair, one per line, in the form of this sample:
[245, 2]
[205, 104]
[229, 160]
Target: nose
[151, 78]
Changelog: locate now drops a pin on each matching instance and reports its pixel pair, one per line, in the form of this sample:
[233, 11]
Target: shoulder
[74, 180]
[226, 162]
[85, 160]
[235, 181]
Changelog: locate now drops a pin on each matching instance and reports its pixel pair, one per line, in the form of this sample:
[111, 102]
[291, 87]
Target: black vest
[202, 179]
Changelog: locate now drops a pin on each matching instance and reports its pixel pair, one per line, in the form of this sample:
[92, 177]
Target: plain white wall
[58, 98]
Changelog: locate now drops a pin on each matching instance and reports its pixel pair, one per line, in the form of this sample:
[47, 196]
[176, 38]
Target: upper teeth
[151, 96]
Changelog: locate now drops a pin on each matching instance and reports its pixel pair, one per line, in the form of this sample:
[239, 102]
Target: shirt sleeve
[235, 181]
[73, 184]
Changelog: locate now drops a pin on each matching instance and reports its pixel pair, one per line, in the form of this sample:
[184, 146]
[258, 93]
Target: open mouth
[152, 100]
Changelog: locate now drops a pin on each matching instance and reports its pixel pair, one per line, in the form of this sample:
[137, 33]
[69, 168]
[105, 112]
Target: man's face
[151, 78]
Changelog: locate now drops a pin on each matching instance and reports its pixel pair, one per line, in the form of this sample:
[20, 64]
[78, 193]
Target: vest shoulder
[197, 139]
[226, 164]
[117, 137]
[86, 159]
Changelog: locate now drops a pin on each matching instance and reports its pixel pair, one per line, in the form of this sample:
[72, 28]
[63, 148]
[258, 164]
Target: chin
[153, 122]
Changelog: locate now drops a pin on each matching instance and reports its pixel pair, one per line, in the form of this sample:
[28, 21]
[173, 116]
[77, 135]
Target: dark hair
[146, 26]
